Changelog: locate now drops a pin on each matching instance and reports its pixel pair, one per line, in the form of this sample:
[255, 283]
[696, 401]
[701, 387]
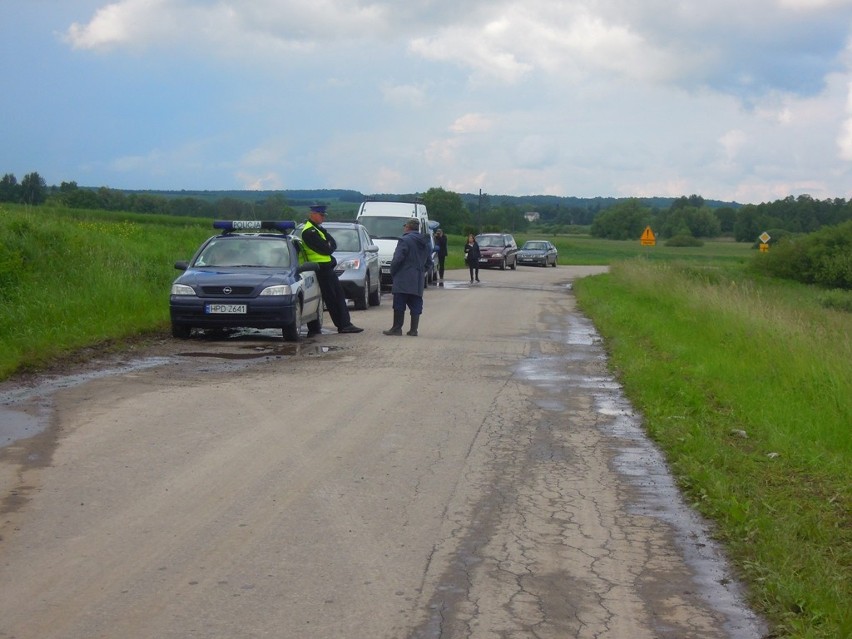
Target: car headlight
[280, 289]
[182, 289]
[354, 263]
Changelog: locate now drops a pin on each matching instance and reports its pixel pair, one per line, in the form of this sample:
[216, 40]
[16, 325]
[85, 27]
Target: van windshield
[384, 227]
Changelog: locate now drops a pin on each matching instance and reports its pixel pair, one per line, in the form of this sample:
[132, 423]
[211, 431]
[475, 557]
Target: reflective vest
[310, 254]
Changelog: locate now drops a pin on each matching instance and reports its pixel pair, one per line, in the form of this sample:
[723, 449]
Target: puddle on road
[257, 352]
[25, 410]
[642, 465]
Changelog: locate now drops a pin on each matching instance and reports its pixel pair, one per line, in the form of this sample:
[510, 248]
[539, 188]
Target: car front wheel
[315, 325]
[362, 300]
[291, 331]
[181, 331]
[375, 297]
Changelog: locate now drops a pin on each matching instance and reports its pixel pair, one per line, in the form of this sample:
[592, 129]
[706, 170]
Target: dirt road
[485, 479]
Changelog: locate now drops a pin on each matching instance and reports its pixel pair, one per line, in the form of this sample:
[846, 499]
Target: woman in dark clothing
[471, 256]
[441, 253]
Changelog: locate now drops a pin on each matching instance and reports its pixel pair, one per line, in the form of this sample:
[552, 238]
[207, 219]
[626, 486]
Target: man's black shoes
[350, 329]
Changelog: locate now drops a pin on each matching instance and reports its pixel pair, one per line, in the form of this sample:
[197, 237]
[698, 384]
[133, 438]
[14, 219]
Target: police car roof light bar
[230, 226]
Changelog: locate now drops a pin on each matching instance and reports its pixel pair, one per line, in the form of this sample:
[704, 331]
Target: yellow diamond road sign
[764, 237]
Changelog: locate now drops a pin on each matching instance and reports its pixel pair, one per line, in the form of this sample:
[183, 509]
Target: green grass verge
[71, 279]
[747, 387]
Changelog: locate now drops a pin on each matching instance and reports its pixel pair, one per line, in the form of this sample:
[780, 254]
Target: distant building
[531, 216]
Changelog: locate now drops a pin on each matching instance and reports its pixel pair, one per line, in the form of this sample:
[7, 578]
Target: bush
[823, 258]
[775, 237]
[837, 299]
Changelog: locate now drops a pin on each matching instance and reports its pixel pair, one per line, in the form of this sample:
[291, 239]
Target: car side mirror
[372, 248]
[181, 265]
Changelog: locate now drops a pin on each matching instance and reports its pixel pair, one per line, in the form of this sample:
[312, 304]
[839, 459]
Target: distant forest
[608, 217]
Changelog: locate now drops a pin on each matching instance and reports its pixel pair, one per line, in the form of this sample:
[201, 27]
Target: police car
[248, 276]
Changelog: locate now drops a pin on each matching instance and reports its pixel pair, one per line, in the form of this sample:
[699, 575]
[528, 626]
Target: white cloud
[226, 28]
[405, 95]
[266, 182]
[472, 123]
[582, 97]
[813, 5]
[732, 142]
[535, 151]
[844, 141]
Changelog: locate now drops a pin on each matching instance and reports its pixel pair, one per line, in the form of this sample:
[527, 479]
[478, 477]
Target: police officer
[318, 245]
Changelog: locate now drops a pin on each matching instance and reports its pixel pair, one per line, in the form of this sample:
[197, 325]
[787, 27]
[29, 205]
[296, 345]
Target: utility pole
[479, 213]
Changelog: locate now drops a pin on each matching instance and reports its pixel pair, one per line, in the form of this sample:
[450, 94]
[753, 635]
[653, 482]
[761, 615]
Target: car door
[371, 257]
[511, 250]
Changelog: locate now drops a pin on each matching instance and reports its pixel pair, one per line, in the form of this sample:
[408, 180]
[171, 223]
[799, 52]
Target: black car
[246, 277]
[538, 253]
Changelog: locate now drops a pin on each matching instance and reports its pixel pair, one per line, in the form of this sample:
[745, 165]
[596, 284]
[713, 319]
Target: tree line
[612, 218]
[691, 217]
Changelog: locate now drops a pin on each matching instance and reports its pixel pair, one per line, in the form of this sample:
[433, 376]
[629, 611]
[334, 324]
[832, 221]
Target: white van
[384, 221]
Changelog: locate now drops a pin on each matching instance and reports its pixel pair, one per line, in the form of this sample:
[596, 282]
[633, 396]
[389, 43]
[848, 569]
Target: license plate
[483, 259]
[232, 309]
[385, 269]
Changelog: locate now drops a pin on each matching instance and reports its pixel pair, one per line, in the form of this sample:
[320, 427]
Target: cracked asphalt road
[484, 480]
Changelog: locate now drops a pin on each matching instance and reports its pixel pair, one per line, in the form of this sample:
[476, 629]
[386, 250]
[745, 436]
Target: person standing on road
[410, 261]
[471, 256]
[318, 246]
[441, 254]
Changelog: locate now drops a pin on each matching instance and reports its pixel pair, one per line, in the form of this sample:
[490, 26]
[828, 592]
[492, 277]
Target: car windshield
[383, 226]
[534, 246]
[490, 240]
[347, 240]
[244, 251]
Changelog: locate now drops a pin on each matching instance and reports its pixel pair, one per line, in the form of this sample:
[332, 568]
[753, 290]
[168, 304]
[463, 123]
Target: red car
[497, 250]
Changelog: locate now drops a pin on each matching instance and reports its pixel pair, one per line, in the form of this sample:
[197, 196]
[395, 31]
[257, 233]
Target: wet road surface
[486, 479]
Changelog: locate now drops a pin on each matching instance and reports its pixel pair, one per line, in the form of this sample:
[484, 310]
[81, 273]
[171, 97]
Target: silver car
[357, 263]
[538, 252]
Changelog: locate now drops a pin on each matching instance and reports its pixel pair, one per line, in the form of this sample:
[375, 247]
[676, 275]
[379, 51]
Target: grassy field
[747, 387]
[745, 383]
[70, 279]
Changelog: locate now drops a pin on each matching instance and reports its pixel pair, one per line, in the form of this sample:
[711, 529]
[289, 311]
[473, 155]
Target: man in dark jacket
[318, 246]
[408, 269]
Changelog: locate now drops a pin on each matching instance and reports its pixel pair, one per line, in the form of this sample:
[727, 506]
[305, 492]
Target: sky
[734, 100]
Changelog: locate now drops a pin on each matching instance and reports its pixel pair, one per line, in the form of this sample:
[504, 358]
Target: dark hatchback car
[246, 277]
[497, 250]
[538, 253]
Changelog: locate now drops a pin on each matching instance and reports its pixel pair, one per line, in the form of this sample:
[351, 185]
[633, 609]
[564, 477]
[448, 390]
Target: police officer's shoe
[314, 333]
[350, 329]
